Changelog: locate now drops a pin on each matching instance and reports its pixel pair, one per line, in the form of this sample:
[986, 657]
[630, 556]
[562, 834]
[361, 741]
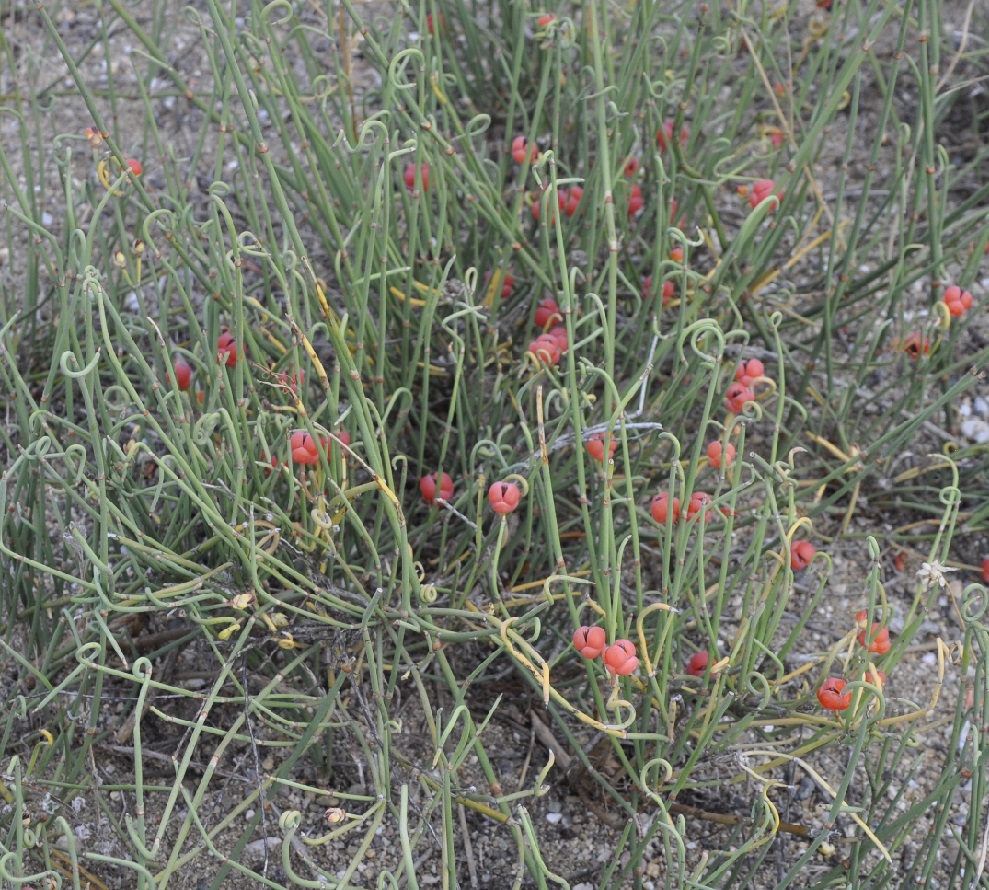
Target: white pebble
[975, 430]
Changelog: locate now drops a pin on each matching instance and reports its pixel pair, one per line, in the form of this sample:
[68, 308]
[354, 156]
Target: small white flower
[931, 573]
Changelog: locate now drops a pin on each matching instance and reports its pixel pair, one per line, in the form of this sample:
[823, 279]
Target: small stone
[975, 430]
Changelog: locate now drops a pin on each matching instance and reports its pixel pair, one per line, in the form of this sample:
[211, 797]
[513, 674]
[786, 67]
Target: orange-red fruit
[801, 553]
[878, 639]
[520, 148]
[433, 487]
[660, 507]
[635, 201]
[698, 663]
[410, 176]
[831, 697]
[915, 346]
[749, 371]
[664, 136]
[631, 166]
[738, 396]
[183, 373]
[761, 190]
[595, 446]
[545, 20]
[226, 349]
[559, 336]
[882, 677]
[547, 313]
[667, 293]
[718, 457]
[304, 449]
[698, 502]
[957, 300]
[545, 349]
[507, 283]
[572, 199]
[860, 617]
[292, 381]
[566, 199]
[589, 641]
[620, 658]
[136, 167]
[985, 571]
[536, 212]
[504, 497]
